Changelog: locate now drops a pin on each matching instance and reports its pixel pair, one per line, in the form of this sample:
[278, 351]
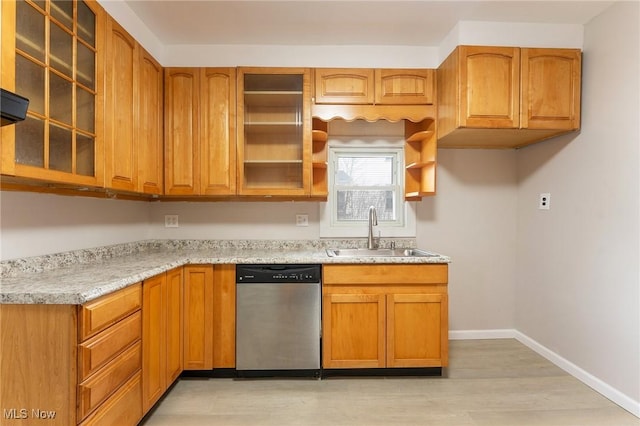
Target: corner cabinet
[67, 364]
[275, 137]
[385, 316]
[200, 132]
[52, 53]
[504, 97]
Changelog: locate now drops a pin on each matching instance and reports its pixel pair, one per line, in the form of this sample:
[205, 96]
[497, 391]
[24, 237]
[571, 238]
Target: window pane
[30, 142]
[60, 148]
[85, 73]
[60, 92]
[85, 113]
[86, 24]
[85, 155]
[62, 10]
[61, 45]
[353, 205]
[30, 83]
[364, 171]
[29, 30]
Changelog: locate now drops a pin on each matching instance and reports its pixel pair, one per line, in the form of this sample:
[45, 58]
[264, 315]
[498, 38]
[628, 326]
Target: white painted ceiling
[331, 22]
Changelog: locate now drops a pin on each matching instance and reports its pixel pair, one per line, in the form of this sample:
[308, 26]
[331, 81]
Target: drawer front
[102, 348]
[385, 274]
[96, 389]
[99, 314]
[123, 408]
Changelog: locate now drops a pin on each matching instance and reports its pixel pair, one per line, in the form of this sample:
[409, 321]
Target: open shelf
[420, 150]
[319, 187]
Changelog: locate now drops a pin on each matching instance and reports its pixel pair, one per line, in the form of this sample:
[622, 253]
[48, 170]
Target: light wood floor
[490, 382]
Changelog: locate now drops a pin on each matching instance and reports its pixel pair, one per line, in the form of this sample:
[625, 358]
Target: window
[359, 180]
[360, 177]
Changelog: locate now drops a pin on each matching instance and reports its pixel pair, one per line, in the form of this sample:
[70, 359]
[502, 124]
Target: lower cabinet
[385, 316]
[161, 334]
[107, 362]
[209, 317]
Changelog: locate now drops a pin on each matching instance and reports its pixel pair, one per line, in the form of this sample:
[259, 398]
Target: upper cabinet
[52, 53]
[133, 124]
[369, 86]
[275, 137]
[121, 99]
[150, 124]
[200, 131]
[502, 97]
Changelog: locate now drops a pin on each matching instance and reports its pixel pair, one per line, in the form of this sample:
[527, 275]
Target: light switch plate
[544, 201]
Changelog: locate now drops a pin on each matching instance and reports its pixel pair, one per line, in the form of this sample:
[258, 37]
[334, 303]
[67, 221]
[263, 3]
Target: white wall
[577, 291]
[473, 219]
[35, 224]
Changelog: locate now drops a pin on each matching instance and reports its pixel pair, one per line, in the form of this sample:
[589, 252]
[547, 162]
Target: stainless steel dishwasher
[278, 320]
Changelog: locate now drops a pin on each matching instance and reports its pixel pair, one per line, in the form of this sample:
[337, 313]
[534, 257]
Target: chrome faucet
[373, 221]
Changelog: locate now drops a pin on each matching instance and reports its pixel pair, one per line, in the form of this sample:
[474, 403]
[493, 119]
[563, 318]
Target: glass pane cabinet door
[55, 67]
[276, 135]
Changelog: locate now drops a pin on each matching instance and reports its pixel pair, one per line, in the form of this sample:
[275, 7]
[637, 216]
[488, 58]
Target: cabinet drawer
[102, 348]
[96, 389]
[99, 314]
[123, 408]
[385, 274]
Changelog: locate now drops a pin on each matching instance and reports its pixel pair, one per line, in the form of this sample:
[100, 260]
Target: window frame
[405, 223]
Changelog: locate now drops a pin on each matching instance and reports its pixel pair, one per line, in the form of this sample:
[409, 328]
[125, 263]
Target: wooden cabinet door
[154, 341]
[149, 128]
[489, 87]
[344, 86]
[404, 86]
[181, 132]
[174, 325]
[218, 131]
[417, 330]
[198, 317]
[120, 107]
[353, 332]
[224, 316]
[550, 88]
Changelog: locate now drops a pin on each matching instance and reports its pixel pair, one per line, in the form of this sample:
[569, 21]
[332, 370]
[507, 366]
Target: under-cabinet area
[112, 358]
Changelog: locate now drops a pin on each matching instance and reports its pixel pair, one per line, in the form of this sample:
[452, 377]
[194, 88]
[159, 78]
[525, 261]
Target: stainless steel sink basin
[382, 252]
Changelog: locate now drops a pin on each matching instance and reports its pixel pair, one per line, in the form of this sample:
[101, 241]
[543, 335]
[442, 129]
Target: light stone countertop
[78, 277]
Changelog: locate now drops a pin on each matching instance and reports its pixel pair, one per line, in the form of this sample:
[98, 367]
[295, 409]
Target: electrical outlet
[544, 201]
[302, 220]
[170, 220]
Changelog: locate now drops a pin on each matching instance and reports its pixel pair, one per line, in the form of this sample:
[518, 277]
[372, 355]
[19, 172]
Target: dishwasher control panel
[290, 273]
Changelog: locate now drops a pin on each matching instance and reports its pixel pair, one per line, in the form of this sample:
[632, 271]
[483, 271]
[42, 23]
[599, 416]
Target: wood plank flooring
[489, 382]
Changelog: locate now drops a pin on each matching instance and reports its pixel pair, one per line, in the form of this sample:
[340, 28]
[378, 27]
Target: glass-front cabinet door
[50, 53]
[274, 141]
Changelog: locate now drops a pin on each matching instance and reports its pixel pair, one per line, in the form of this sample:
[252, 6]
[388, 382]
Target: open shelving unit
[319, 159]
[273, 143]
[420, 158]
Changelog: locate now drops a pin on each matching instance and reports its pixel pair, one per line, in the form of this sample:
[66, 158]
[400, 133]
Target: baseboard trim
[482, 334]
[585, 377]
[588, 379]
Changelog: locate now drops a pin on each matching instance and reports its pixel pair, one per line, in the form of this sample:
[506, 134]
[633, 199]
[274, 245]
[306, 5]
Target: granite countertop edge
[86, 281]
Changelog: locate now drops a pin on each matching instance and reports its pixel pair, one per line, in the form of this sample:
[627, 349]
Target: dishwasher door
[278, 327]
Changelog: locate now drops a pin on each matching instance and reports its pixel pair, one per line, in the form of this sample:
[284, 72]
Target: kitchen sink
[382, 252]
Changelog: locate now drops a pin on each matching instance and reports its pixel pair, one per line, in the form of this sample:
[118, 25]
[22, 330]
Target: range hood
[13, 108]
